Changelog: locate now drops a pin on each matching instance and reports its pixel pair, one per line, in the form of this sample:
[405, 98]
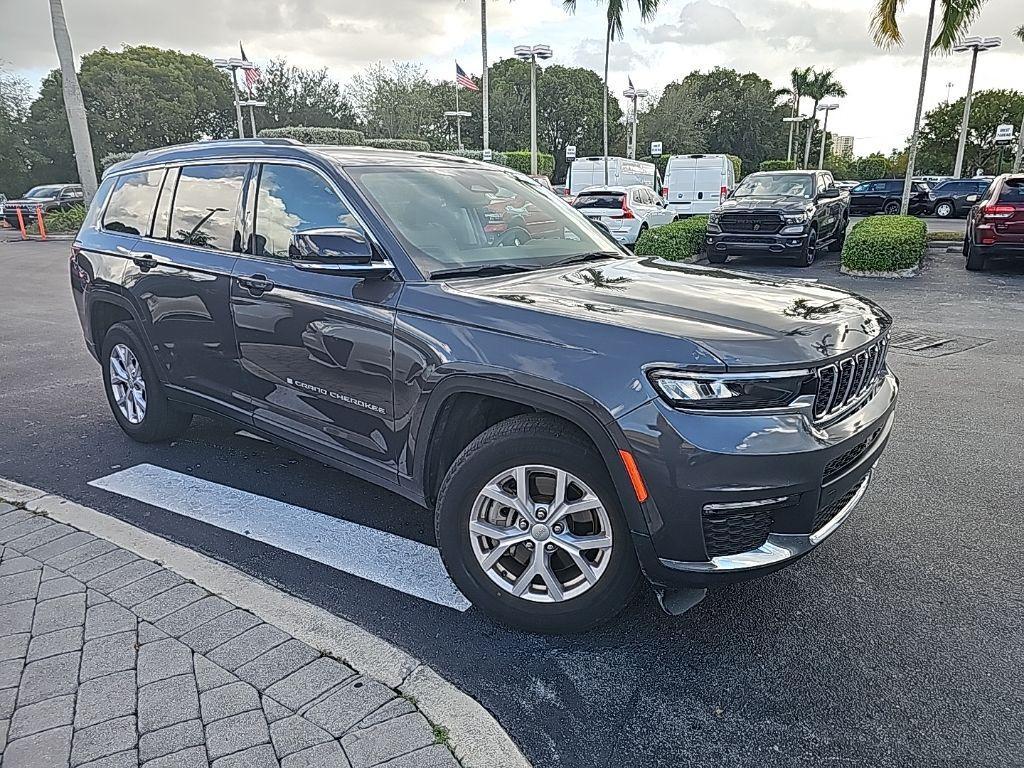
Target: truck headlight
[714, 218]
[731, 392]
[797, 218]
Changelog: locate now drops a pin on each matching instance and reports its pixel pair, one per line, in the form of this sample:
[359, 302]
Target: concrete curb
[476, 738]
[894, 275]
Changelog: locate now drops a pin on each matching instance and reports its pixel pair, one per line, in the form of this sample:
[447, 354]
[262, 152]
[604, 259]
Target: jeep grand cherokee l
[786, 213]
[576, 417]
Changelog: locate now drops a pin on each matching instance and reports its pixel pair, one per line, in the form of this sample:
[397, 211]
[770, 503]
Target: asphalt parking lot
[899, 643]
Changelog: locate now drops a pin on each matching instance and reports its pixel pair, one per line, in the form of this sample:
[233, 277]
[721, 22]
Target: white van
[696, 184]
[622, 172]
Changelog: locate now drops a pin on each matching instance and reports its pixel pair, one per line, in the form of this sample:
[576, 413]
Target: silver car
[627, 212]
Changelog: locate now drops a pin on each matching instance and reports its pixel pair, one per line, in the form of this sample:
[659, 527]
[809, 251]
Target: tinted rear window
[131, 203]
[205, 206]
[1012, 191]
[604, 200]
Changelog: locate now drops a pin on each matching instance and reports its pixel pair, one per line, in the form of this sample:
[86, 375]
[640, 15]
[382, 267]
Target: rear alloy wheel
[133, 389]
[944, 210]
[837, 243]
[810, 250]
[892, 208]
[530, 530]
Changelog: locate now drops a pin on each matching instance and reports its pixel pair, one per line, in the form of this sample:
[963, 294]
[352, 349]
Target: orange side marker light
[634, 475]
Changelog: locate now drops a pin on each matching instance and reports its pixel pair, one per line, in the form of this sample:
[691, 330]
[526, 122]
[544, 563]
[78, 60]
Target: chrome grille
[757, 223]
[843, 384]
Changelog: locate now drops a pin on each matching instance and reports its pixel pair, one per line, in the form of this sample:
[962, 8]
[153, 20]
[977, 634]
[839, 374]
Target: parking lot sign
[1004, 132]
[570, 152]
[488, 155]
[656, 149]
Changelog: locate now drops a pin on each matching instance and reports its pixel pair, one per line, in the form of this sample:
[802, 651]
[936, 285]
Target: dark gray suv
[574, 415]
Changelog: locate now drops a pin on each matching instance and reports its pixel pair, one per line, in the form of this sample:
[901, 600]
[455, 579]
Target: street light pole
[793, 122]
[975, 45]
[634, 94]
[826, 108]
[531, 54]
[235, 64]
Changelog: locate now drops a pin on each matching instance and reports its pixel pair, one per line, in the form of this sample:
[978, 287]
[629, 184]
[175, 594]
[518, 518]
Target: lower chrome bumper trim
[778, 548]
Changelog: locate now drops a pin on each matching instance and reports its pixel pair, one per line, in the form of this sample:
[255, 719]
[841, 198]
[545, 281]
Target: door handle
[145, 263]
[256, 284]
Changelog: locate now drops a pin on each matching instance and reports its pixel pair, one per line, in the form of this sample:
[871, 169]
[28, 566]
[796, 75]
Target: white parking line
[384, 558]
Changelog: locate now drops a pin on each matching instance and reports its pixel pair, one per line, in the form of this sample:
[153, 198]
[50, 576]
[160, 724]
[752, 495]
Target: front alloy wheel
[944, 210]
[540, 533]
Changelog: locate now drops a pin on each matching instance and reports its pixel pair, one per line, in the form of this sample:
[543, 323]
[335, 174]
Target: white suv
[626, 211]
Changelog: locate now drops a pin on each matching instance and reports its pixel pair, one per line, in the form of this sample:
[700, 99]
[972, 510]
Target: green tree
[15, 154]
[396, 101]
[822, 85]
[1018, 161]
[569, 112]
[799, 79]
[614, 31]
[956, 17]
[307, 97]
[137, 98]
[940, 131]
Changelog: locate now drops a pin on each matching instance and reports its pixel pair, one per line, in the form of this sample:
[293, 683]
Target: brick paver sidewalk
[110, 660]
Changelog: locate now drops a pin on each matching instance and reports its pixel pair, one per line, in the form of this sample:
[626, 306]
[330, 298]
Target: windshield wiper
[479, 270]
[579, 258]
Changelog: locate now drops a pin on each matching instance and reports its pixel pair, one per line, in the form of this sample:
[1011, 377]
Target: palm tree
[614, 30]
[957, 15]
[73, 102]
[799, 79]
[822, 85]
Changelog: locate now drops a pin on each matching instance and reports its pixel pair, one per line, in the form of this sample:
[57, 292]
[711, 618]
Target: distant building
[842, 146]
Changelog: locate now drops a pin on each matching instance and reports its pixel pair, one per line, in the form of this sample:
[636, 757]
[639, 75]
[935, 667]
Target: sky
[769, 37]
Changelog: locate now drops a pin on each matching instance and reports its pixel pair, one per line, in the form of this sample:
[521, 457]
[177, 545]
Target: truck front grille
[844, 384]
[750, 223]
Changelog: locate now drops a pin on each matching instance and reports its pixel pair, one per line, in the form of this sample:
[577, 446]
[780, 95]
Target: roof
[289, 148]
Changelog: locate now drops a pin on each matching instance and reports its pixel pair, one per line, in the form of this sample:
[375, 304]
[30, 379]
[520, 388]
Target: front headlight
[738, 391]
[714, 218]
[797, 218]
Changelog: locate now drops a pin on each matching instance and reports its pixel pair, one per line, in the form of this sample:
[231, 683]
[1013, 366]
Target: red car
[995, 225]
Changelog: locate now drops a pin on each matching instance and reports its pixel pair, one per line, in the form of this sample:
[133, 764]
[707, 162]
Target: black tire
[161, 420]
[717, 257]
[533, 439]
[975, 258]
[892, 208]
[944, 209]
[810, 250]
[836, 246]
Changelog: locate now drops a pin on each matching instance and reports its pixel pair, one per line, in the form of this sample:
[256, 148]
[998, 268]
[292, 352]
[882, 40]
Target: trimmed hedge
[409, 145]
[777, 165]
[885, 244]
[679, 241]
[497, 158]
[520, 161]
[315, 135]
[737, 165]
[59, 222]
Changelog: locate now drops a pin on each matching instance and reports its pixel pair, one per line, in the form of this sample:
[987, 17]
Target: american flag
[463, 79]
[252, 76]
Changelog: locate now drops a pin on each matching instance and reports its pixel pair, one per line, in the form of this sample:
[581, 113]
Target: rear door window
[130, 209]
[290, 200]
[205, 208]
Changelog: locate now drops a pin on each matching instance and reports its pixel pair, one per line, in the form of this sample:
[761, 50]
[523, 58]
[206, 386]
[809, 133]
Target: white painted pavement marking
[378, 556]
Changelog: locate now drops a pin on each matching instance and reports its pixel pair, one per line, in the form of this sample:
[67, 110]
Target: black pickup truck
[789, 213]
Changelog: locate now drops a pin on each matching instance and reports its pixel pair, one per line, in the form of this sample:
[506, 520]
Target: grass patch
[679, 241]
[441, 736]
[885, 244]
[945, 237]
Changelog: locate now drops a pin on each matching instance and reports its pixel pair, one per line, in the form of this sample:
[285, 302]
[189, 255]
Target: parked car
[585, 172]
[949, 198]
[886, 196]
[787, 213]
[847, 185]
[627, 212]
[697, 184]
[575, 417]
[48, 197]
[544, 181]
[995, 225]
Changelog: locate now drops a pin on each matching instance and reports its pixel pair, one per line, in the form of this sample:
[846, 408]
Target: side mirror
[830, 194]
[336, 251]
[973, 198]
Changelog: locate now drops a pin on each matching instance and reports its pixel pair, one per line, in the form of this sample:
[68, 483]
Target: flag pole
[458, 117]
[238, 105]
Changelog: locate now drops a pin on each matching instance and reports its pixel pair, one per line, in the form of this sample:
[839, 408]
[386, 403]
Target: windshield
[47, 191]
[451, 218]
[775, 185]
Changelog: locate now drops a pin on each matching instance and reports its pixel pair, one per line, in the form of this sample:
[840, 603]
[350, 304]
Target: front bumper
[730, 243]
[794, 481]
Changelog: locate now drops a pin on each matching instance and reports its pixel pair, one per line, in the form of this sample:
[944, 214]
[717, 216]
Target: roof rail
[283, 141]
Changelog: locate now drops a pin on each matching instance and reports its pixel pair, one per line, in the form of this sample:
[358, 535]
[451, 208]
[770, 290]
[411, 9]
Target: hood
[744, 320]
[765, 204]
[30, 201]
